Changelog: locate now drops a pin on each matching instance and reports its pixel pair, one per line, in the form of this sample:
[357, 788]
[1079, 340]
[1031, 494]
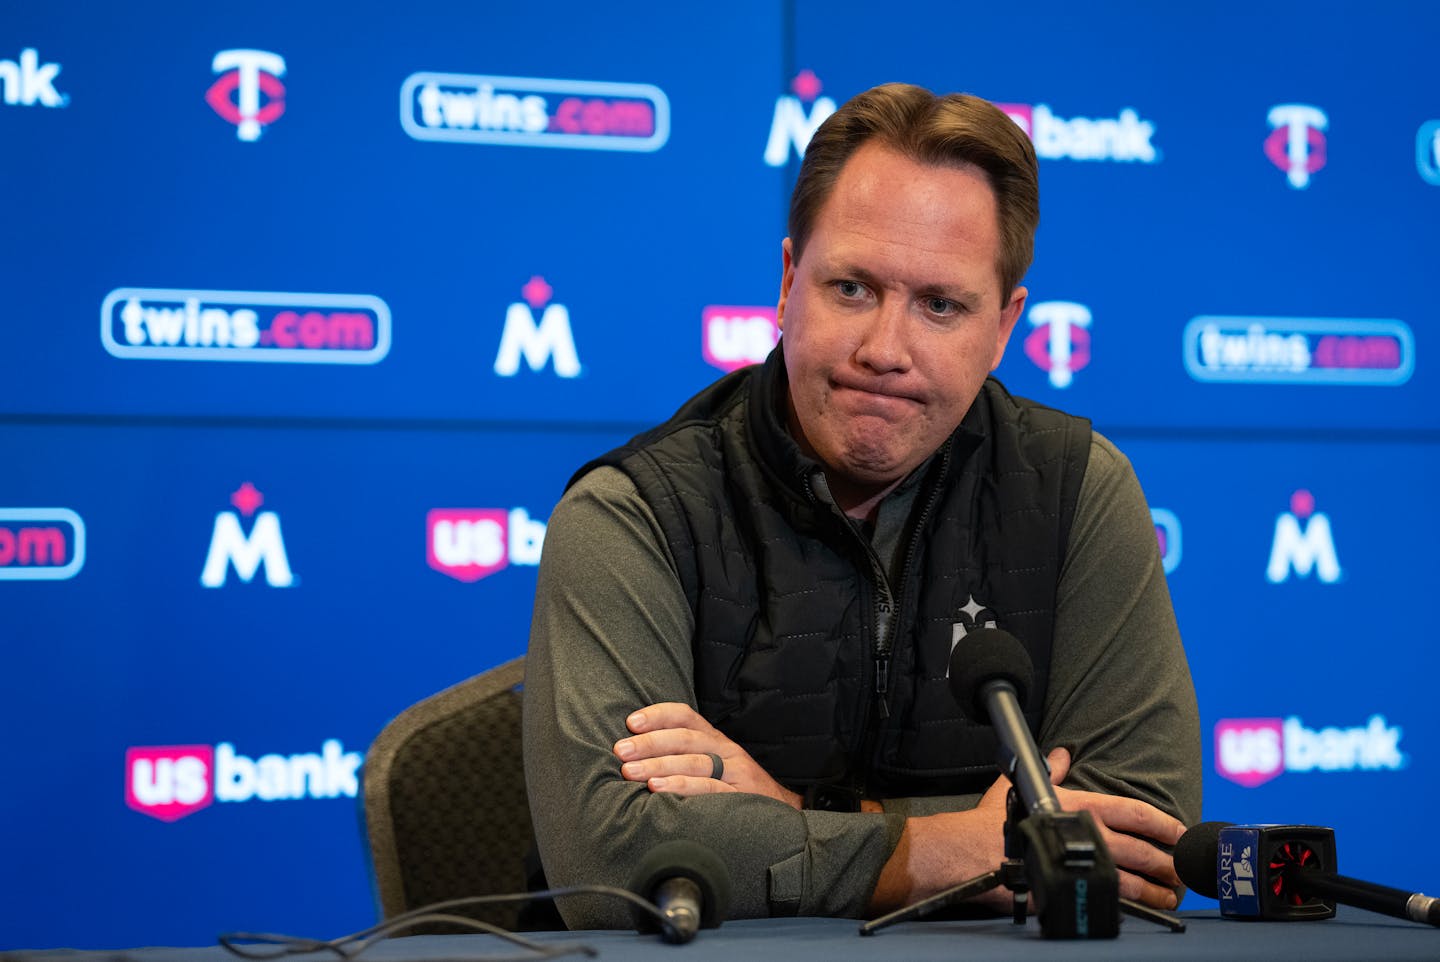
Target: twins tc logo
[41, 544]
[231, 547]
[244, 75]
[735, 337]
[1060, 343]
[1303, 543]
[791, 128]
[473, 543]
[1297, 144]
[540, 343]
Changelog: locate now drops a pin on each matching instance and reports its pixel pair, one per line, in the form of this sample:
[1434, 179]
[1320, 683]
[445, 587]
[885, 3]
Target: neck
[859, 501]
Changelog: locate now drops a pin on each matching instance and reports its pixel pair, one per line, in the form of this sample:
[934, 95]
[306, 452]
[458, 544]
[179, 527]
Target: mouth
[878, 392]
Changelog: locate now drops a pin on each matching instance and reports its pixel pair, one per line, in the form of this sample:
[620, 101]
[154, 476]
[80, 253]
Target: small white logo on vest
[973, 615]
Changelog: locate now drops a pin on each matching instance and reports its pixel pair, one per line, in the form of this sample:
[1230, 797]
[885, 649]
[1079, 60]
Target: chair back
[444, 800]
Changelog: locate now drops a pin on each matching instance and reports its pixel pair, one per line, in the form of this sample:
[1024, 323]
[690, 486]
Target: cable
[265, 945]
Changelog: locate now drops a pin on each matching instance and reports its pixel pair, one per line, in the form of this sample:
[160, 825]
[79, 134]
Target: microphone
[1285, 873]
[990, 674]
[688, 883]
[1069, 869]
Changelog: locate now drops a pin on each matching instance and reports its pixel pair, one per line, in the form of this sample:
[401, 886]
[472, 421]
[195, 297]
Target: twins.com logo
[534, 112]
[169, 782]
[1299, 350]
[41, 544]
[269, 327]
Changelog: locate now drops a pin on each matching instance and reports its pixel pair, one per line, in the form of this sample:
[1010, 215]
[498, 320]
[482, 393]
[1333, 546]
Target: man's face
[892, 316]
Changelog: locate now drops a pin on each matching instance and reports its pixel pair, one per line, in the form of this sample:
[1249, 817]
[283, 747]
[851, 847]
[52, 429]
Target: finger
[697, 766]
[1059, 759]
[1146, 892]
[1126, 815]
[669, 741]
[687, 785]
[666, 714]
[1138, 855]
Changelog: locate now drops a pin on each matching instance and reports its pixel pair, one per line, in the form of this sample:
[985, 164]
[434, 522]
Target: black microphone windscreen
[682, 858]
[1196, 854]
[985, 655]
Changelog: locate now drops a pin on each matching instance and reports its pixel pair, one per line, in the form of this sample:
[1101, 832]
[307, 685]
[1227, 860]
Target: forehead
[890, 208]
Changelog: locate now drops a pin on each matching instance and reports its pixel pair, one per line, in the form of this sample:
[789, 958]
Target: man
[744, 617]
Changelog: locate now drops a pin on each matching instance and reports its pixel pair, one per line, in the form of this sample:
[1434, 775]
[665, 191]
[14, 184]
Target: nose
[885, 342]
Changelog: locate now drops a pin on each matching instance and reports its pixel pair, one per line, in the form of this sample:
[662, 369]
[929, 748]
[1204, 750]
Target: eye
[849, 289]
[940, 306]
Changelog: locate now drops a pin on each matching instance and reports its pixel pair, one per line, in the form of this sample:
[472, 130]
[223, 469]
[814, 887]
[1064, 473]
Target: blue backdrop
[309, 314]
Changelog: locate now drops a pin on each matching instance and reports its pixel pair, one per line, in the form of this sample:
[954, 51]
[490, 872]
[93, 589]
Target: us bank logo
[1303, 544]
[246, 75]
[41, 544]
[169, 782]
[1296, 143]
[534, 112]
[232, 547]
[542, 341]
[1252, 751]
[1126, 138]
[797, 116]
[736, 337]
[1427, 151]
[147, 323]
[1060, 341]
[473, 543]
[1299, 350]
[26, 82]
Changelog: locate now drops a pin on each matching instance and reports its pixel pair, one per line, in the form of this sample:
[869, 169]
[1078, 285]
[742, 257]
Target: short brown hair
[945, 131]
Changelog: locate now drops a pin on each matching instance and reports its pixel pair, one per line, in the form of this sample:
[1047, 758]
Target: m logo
[1297, 145]
[973, 615]
[1060, 343]
[1303, 549]
[244, 74]
[792, 127]
[230, 545]
[540, 343]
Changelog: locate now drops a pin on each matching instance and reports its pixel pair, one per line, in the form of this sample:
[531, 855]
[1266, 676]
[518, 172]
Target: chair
[445, 806]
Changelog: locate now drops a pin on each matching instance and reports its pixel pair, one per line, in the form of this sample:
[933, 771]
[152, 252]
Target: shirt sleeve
[1120, 695]
[612, 632]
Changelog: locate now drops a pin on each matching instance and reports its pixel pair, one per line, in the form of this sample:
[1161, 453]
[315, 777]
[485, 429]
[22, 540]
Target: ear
[1008, 316]
[787, 277]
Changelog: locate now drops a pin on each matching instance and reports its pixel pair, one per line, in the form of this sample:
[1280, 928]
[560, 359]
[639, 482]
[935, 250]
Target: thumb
[1059, 759]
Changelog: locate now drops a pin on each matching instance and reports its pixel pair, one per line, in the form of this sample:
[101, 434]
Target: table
[1353, 934]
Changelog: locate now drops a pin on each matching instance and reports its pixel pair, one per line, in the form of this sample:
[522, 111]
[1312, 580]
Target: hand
[1132, 829]
[937, 851]
[669, 751]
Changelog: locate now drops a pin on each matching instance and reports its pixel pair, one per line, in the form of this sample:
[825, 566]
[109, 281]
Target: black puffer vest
[789, 598]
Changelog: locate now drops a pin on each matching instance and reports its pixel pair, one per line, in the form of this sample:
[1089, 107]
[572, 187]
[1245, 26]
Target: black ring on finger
[717, 766]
